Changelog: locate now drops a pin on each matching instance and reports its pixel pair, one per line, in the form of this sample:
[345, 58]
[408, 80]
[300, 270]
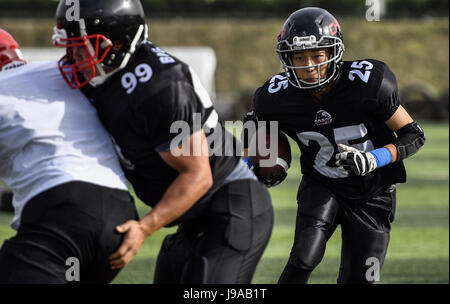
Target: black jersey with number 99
[151, 106]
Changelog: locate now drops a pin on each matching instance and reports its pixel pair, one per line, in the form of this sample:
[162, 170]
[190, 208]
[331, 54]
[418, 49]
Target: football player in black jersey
[144, 96]
[343, 115]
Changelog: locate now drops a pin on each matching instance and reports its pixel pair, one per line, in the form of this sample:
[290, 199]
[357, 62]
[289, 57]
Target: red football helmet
[10, 55]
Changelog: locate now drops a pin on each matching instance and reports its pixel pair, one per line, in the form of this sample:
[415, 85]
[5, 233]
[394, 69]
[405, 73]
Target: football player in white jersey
[10, 57]
[69, 190]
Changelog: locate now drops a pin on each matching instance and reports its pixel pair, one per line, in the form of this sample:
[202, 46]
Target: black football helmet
[311, 28]
[110, 30]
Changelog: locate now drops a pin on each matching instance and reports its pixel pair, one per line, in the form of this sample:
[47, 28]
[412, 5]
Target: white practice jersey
[50, 135]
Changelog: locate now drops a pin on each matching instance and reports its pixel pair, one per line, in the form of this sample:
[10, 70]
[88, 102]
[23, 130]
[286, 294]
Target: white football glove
[354, 161]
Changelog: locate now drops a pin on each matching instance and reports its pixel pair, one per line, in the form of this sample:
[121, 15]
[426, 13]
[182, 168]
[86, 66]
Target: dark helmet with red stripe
[109, 30]
[306, 29]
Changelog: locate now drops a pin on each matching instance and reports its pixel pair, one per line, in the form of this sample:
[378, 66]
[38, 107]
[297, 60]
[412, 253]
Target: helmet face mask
[89, 67]
[311, 29]
[106, 34]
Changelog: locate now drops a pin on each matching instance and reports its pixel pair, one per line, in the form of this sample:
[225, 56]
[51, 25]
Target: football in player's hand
[270, 163]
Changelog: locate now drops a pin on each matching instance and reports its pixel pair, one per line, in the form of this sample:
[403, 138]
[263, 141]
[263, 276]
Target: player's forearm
[410, 136]
[393, 151]
[181, 195]
[410, 139]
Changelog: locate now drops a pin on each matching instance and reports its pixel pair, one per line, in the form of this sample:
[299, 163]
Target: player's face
[82, 57]
[311, 58]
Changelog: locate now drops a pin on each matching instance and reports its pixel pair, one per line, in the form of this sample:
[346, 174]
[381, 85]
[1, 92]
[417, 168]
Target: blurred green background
[412, 37]
[416, 50]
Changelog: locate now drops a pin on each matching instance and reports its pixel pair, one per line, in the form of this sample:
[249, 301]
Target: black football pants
[225, 244]
[365, 227]
[73, 220]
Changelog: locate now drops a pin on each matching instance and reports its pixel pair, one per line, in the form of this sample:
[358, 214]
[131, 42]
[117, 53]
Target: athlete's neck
[324, 92]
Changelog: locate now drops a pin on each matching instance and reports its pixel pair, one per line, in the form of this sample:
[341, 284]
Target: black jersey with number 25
[353, 113]
[145, 107]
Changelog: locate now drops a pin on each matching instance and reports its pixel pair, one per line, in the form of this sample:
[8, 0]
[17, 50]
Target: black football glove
[355, 162]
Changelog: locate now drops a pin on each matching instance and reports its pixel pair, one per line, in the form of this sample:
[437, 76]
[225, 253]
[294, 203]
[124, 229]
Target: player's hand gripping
[135, 235]
[355, 162]
[271, 180]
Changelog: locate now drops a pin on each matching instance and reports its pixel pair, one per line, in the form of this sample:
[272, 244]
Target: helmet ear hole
[118, 44]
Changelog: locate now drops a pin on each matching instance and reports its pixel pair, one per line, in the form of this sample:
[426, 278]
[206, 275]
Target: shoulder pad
[364, 75]
[164, 66]
[274, 88]
[159, 54]
[277, 83]
[159, 60]
[363, 69]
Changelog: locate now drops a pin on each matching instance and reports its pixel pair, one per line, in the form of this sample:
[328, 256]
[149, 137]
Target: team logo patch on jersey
[323, 118]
